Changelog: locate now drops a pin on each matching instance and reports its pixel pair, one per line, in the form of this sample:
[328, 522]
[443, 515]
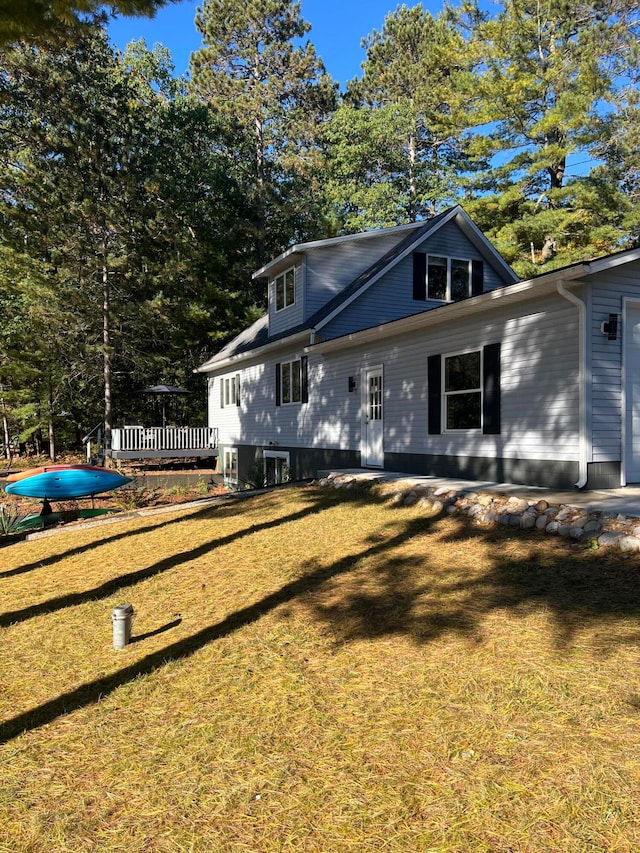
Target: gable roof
[256, 337]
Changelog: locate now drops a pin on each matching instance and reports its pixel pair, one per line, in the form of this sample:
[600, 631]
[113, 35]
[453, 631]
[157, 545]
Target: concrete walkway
[624, 501]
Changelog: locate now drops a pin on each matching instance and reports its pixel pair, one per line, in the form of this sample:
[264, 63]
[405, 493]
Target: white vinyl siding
[608, 291]
[539, 391]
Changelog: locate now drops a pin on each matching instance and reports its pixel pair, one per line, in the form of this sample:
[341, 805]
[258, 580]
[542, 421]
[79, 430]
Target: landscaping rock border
[601, 528]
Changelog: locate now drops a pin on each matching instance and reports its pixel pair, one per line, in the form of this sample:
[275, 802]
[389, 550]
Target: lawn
[318, 670]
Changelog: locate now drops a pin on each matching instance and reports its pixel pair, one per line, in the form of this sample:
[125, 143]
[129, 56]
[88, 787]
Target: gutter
[582, 376]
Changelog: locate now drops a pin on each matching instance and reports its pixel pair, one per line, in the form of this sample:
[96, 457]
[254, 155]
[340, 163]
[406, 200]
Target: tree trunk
[106, 344]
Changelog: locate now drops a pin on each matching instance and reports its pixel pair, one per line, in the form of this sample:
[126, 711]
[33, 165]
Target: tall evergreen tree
[545, 97]
[113, 198]
[272, 97]
[28, 20]
[404, 117]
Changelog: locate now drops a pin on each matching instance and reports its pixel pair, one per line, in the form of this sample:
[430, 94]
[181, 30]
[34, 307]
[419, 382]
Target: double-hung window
[285, 289]
[292, 382]
[230, 391]
[462, 388]
[464, 391]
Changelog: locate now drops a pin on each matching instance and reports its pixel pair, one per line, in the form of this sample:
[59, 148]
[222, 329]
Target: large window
[285, 289]
[276, 467]
[463, 391]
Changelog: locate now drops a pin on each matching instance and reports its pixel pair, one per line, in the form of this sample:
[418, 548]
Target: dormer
[286, 294]
[308, 275]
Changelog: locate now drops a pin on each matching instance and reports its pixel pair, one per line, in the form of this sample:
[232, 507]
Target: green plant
[256, 477]
[134, 497]
[10, 519]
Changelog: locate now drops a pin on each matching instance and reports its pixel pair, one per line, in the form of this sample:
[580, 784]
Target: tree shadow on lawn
[407, 596]
[577, 587]
[121, 582]
[98, 543]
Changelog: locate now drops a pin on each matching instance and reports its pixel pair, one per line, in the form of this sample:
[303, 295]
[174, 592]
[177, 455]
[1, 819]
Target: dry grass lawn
[316, 670]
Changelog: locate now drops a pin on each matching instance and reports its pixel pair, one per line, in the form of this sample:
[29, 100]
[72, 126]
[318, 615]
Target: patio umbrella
[163, 391]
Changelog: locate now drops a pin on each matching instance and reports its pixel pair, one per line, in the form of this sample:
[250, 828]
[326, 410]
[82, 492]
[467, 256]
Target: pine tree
[544, 94]
[29, 20]
[271, 97]
[404, 117]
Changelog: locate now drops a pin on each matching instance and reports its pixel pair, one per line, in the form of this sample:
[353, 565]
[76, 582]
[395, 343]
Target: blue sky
[337, 28]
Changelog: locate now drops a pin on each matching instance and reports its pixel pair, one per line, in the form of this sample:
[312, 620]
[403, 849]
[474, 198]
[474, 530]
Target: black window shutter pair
[490, 392]
[304, 381]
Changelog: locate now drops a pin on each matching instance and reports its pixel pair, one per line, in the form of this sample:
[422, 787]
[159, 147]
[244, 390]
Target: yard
[318, 670]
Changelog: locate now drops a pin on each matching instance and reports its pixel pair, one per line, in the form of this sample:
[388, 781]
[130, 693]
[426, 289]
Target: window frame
[477, 390]
[289, 365]
[281, 280]
[229, 390]
[450, 260]
[230, 452]
[282, 455]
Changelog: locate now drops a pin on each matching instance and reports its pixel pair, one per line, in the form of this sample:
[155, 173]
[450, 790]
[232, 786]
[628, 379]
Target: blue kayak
[62, 482]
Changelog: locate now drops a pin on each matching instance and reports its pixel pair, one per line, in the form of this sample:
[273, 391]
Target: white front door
[632, 393]
[372, 449]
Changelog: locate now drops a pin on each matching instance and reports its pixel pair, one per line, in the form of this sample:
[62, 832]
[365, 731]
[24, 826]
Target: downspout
[582, 375]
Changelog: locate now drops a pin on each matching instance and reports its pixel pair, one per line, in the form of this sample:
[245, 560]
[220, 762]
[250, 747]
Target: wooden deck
[174, 442]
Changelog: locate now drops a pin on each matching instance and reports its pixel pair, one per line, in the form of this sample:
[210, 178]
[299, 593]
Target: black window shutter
[221, 393]
[491, 390]
[304, 379]
[419, 276]
[434, 381]
[477, 277]
[237, 389]
[278, 384]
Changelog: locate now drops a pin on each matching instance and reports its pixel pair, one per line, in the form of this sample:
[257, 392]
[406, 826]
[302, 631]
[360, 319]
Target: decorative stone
[451, 509]
[580, 521]
[485, 500]
[518, 504]
[593, 526]
[541, 522]
[552, 527]
[564, 530]
[609, 539]
[398, 498]
[576, 533]
[629, 543]
[564, 513]
[541, 506]
[441, 491]
[437, 506]
[515, 520]
[411, 499]
[505, 519]
[528, 520]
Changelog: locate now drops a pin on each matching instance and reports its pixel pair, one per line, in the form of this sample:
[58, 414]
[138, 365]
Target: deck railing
[154, 439]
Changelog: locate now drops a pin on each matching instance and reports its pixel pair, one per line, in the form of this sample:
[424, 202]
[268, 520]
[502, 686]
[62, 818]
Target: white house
[416, 349]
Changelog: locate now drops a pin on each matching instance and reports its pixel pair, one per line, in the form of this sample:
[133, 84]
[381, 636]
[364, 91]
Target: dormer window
[285, 289]
[445, 279]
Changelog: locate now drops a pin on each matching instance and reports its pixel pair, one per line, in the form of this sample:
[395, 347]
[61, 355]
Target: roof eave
[258, 352]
